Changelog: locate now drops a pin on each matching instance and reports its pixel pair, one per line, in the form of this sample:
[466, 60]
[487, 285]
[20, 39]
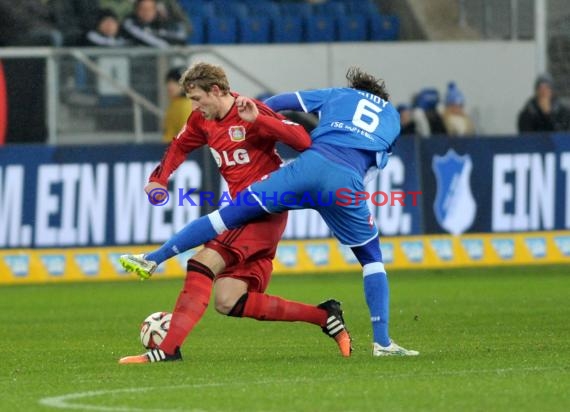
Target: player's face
[209, 103]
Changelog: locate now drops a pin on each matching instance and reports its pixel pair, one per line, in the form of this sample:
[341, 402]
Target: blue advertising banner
[84, 196]
[91, 196]
[503, 184]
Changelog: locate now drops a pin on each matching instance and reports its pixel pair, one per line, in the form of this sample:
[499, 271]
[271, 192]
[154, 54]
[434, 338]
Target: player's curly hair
[205, 76]
[360, 80]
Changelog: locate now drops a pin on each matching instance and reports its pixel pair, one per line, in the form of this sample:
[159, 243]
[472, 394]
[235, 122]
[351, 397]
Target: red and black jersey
[243, 151]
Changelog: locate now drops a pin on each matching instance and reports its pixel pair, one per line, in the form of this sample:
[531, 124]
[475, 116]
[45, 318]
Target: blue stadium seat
[352, 28]
[200, 8]
[331, 8]
[221, 30]
[197, 34]
[384, 27]
[263, 8]
[366, 7]
[320, 28]
[287, 29]
[296, 9]
[230, 8]
[254, 29]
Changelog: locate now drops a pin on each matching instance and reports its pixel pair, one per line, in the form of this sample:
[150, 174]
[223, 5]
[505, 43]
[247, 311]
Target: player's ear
[215, 90]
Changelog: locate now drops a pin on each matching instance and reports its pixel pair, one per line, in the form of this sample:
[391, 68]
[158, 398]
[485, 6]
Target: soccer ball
[154, 329]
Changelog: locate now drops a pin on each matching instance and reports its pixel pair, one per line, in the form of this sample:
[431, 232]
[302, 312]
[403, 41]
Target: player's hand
[156, 192]
[247, 109]
[153, 185]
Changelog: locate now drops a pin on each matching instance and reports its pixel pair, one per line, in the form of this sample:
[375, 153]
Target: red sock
[265, 307]
[190, 306]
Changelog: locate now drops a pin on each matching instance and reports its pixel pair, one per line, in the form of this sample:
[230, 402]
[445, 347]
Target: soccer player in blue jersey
[357, 129]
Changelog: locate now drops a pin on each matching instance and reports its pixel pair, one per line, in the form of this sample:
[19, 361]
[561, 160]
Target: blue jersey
[352, 118]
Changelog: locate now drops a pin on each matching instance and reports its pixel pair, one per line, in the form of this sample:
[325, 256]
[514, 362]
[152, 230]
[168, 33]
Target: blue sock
[204, 229]
[376, 289]
[377, 295]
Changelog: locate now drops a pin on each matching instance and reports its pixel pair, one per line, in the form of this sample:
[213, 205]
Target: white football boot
[138, 264]
[393, 349]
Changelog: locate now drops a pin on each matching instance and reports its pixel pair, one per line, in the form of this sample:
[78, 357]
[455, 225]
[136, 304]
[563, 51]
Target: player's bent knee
[224, 305]
[232, 307]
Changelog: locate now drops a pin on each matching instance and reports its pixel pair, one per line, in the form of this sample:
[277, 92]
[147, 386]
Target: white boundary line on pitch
[63, 401]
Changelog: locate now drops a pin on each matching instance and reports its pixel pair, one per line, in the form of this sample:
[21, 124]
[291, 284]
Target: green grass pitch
[490, 340]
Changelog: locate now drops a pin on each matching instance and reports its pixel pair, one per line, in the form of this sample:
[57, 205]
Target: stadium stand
[263, 8]
[288, 29]
[296, 9]
[352, 28]
[266, 21]
[320, 28]
[221, 30]
[198, 8]
[366, 7]
[335, 8]
[197, 35]
[384, 27]
[254, 29]
[232, 9]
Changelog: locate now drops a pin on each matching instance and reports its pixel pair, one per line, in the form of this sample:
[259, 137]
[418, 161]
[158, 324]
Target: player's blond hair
[205, 76]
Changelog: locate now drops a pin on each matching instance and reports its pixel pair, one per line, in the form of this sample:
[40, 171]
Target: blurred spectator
[106, 32]
[74, 18]
[544, 112]
[167, 9]
[146, 26]
[407, 123]
[456, 121]
[179, 107]
[27, 23]
[426, 102]
[171, 10]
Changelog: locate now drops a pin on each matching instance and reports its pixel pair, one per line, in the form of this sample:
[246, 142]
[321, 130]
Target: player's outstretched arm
[285, 131]
[284, 101]
[173, 157]
[272, 125]
[189, 139]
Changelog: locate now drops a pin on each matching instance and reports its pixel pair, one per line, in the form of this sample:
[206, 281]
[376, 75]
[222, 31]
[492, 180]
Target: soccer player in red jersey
[239, 262]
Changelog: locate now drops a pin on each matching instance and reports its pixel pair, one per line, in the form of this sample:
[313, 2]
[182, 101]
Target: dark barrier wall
[25, 98]
[3, 106]
[92, 196]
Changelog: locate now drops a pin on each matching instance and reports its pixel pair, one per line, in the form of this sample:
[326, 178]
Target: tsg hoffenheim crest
[454, 205]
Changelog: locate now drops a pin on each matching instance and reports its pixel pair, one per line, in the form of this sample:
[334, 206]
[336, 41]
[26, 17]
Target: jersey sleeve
[284, 101]
[188, 139]
[312, 100]
[276, 127]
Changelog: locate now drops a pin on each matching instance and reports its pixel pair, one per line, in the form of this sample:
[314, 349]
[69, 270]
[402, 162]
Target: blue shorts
[314, 182]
